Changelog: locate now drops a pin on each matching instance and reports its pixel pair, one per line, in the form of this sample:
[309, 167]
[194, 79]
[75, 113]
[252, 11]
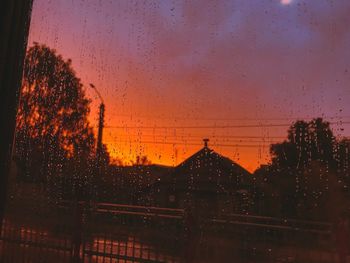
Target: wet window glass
[181, 131]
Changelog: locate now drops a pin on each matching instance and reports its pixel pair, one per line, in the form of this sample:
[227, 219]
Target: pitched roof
[208, 170]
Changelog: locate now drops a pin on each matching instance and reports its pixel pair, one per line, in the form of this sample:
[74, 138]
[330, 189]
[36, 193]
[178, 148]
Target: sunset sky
[174, 72]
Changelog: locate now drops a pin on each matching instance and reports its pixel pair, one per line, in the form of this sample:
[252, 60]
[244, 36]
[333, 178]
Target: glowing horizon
[182, 64]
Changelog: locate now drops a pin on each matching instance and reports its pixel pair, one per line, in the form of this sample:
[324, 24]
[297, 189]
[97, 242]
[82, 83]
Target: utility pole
[100, 130]
[100, 125]
[96, 177]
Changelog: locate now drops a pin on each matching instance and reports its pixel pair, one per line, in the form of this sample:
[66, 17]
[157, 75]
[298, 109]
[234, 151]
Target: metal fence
[111, 236]
[23, 244]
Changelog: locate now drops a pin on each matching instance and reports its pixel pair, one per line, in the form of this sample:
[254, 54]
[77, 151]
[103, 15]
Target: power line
[198, 127]
[213, 126]
[215, 136]
[195, 144]
[223, 119]
[193, 139]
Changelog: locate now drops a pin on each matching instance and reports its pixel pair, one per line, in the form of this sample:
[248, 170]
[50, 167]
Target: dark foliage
[53, 135]
[308, 172]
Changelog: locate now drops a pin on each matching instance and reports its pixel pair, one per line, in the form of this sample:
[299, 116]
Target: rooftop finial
[206, 140]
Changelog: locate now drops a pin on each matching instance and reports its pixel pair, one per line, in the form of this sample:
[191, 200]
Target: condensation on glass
[182, 131]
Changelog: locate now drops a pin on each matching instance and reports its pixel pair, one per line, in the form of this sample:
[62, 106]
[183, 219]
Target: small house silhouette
[211, 182]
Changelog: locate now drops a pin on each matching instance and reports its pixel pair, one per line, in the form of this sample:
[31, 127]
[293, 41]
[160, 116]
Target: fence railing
[23, 244]
[26, 244]
[241, 236]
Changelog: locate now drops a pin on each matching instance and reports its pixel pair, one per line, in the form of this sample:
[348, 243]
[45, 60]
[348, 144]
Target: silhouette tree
[141, 160]
[307, 141]
[304, 168]
[52, 119]
[343, 161]
[323, 142]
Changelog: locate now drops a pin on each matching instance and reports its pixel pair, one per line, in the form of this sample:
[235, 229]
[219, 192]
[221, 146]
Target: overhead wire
[213, 126]
[194, 144]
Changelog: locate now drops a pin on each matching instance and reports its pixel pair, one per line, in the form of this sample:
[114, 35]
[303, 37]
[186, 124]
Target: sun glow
[286, 2]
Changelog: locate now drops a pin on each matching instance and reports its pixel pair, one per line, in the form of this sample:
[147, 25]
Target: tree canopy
[52, 119]
[306, 142]
[309, 171]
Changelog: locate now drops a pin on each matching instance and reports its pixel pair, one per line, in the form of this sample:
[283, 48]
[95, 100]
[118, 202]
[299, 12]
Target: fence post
[77, 232]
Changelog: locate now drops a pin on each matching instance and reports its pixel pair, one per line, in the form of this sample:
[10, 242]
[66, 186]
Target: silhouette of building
[207, 181]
